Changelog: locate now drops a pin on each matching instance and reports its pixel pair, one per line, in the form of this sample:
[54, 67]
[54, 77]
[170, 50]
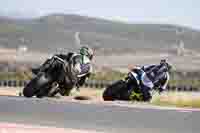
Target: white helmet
[84, 50]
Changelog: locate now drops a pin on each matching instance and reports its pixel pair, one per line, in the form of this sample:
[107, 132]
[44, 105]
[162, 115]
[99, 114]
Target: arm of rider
[147, 68]
[83, 79]
[77, 68]
[81, 68]
[83, 72]
[164, 84]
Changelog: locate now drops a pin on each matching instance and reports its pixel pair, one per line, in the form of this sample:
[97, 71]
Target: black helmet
[165, 63]
[84, 50]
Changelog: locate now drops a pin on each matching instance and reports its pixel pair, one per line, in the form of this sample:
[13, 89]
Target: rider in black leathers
[78, 71]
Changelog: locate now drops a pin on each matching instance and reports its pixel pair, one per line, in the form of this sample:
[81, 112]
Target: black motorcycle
[48, 81]
[126, 89]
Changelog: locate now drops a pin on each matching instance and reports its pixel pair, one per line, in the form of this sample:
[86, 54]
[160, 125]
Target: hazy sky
[183, 12]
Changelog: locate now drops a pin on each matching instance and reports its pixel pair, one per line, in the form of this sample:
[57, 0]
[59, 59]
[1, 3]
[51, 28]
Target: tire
[30, 88]
[37, 86]
[65, 89]
[65, 92]
[114, 91]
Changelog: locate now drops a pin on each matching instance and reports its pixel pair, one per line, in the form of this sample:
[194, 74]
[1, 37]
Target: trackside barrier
[95, 84]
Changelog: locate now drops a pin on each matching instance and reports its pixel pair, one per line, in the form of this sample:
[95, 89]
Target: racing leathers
[78, 70]
[152, 76]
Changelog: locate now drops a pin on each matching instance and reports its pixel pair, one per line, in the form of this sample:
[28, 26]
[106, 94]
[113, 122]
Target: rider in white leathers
[153, 76]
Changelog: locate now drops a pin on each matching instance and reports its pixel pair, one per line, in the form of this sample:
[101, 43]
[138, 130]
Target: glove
[160, 90]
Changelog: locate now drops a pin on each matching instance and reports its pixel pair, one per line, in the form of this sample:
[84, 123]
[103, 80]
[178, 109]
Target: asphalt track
[99, 117]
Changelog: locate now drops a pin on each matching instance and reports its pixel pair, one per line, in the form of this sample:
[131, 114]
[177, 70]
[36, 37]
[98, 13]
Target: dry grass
[178, 99]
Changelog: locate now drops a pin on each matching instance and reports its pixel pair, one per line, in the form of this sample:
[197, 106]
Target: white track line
[20, 128]
[140, 106]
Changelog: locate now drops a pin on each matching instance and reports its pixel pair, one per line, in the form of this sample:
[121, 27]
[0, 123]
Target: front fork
[54, 89]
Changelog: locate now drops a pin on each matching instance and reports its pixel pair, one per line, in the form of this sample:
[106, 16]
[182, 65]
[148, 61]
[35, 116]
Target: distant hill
[57, 31]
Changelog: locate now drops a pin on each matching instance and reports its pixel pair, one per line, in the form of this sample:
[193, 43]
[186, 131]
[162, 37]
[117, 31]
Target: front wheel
[114, 91]
[30, 88]
[37, 86]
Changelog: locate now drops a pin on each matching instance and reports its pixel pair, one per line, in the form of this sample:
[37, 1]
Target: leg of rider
[45, 64]
[66, 86]
[146, 93]
[146, 86]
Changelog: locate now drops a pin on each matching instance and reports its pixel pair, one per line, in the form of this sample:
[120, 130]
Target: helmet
[168, 66]
[87, 52]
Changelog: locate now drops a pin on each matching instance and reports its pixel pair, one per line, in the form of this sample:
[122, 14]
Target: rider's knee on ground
[147, 97]
[146, 93]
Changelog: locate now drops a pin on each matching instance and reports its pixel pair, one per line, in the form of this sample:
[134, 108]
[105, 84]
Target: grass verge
[177, 99]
